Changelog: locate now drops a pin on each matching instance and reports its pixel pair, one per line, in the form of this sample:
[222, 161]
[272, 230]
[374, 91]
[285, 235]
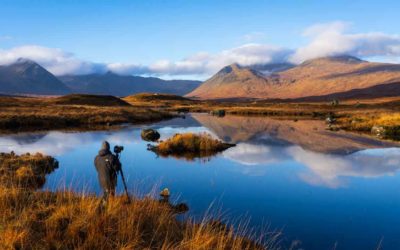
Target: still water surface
[322, 189]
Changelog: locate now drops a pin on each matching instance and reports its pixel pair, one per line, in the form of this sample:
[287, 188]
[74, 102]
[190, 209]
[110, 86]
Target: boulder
[150, 135]
[378, 131]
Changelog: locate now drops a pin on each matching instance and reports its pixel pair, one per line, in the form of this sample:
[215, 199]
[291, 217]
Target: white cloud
[54, 60]
[332, 39]
[326, 39]
[204, 63]
[60, 62]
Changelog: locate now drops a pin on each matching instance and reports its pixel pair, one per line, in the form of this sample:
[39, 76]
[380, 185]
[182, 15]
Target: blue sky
[152, 37]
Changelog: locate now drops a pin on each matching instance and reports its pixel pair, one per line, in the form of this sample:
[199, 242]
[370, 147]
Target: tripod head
[118, 150]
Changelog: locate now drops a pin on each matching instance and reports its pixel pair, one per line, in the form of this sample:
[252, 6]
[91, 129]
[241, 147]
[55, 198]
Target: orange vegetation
[32, 219]
[191, 145]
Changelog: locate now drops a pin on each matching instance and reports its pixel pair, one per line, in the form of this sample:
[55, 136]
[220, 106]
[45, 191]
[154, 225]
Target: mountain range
[327, 78]
[28, 77]
[316, 79]
[118, 85]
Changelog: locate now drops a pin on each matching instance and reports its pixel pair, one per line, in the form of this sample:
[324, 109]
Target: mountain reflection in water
[261, 142]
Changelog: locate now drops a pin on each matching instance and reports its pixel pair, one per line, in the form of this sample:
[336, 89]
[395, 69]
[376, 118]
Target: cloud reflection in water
[254, 159]
[328, 170]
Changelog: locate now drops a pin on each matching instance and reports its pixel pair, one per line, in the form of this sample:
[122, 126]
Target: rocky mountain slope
[28, 77]
[318, 79]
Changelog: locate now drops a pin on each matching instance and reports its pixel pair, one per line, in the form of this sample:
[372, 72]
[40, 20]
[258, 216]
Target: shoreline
[32, 218]
[89, 112]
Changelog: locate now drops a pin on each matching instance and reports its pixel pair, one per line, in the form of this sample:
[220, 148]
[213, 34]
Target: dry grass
[352, 115]
[190, 146]
[389, 122]
[25, 171]
[61, 113]
[65, 220]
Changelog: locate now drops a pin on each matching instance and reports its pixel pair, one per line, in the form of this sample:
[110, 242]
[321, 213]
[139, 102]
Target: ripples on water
[322, 188]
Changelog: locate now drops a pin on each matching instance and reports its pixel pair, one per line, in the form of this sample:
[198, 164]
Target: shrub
[190, 146]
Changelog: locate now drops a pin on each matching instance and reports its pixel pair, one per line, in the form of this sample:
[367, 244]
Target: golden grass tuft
[25, 170]
[190, 146]
[389, 123]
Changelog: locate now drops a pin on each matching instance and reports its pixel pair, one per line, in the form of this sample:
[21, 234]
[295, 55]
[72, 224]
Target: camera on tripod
[118, 149]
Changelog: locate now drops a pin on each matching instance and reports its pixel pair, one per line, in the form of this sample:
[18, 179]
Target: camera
[118, 149]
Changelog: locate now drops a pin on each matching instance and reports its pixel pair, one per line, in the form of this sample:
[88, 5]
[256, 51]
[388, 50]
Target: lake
[322, 189]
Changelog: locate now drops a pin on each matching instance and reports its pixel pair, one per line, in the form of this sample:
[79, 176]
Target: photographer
[107, 166]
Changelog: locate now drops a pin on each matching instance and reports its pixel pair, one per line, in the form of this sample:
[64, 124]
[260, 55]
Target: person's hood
[105, 145]
[104, 152]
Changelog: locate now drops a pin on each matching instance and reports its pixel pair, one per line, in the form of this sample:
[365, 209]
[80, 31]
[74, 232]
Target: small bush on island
[33, 219]
[190, 146]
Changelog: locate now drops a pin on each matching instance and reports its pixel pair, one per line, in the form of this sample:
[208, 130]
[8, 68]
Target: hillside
[28, 77]
[118, 85]
[322, 79]
[149, 97]
[91, 100]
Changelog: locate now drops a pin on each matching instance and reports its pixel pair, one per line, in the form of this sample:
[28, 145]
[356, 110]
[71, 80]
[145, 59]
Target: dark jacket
[107, 166]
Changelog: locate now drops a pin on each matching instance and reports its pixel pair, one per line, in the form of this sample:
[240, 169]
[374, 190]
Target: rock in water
[219, 113]
[150, 135]
[378, 131]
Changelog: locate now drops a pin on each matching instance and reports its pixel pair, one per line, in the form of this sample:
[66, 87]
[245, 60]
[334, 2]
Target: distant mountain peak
[23, 60]
[337, 58]
[345, 58]
[109, 72]
[27, 76]
[235, 66]
[229, 69]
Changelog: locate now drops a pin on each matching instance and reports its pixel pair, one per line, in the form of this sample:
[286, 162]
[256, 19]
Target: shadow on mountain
[368, 70]
[383, 90]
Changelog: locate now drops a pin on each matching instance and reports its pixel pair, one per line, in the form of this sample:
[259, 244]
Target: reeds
[32, 219]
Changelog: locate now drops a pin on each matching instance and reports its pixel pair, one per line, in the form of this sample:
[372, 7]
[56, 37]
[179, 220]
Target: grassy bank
[90, 112]
[382, 125]
[190, 146]
[32, 219]
[351, 115]
[71, 112]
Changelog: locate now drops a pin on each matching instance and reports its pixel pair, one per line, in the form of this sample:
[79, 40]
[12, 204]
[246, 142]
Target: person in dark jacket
[107, 166]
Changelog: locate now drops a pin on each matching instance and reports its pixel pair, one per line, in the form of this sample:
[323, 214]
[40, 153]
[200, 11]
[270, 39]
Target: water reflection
[331, 170]
[57, 143]
[343, 187]
[321, 169]
[309, 134]
[262, 144]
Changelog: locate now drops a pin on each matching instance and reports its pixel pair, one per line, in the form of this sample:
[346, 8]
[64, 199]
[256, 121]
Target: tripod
[123, 180]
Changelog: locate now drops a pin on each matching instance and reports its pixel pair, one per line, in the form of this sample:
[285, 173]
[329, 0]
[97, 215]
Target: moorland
[378, 117]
